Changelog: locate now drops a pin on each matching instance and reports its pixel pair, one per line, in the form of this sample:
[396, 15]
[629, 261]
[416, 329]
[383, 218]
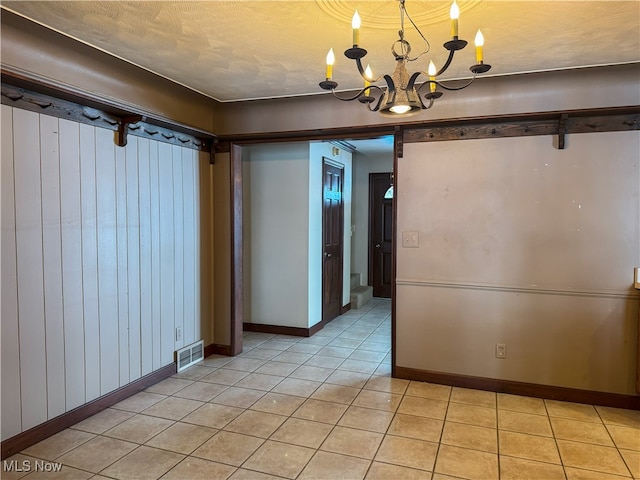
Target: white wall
[275, 221]
[282, 243]
[523, 244]
[317, 152]
[100, 262]
[362, 167]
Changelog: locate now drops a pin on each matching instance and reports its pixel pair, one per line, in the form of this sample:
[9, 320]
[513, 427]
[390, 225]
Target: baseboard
[550, 392]
[23, 440]
[294, 331]
[217, 349]
[277, 329]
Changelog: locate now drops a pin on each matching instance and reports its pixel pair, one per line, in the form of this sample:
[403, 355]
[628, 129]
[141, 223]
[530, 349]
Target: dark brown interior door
[333, 237]
[380, 234]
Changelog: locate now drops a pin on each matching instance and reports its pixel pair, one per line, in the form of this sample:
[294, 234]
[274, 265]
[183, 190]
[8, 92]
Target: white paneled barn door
[100, 262]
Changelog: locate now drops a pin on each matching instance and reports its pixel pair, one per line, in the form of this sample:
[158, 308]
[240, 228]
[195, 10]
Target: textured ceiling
[238, 50]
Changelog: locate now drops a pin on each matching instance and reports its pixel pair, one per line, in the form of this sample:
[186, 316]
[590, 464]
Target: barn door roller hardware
[123, 124]
[562, 130]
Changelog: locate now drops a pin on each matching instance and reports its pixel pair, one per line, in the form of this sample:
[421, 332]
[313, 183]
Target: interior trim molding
[217, 349]
[514, 289]
[277, 329]
[23, 440]
[294, 331]
[549, 392]
[237, 252]
[121, 119]
[525, 124]
[560, 123]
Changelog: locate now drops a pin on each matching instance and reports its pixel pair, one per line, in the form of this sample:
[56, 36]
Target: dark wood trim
[278, 329]
[521, 388]
[237, 313]
[294, 331]
[519, 124]
[394, 254]
[23, 440]
[328, 134]
[45, 86]
[120, 121]
[217, 349]
[371, 215]
[316, 328]
[547, 123]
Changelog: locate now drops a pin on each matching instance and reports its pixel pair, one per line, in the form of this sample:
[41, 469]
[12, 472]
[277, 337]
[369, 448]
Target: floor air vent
[187, 356]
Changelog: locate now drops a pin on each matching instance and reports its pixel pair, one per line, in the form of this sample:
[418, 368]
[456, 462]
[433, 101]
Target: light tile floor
[325, 407]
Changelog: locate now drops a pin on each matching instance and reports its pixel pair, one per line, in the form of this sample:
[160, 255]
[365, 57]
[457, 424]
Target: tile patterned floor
[325, 407]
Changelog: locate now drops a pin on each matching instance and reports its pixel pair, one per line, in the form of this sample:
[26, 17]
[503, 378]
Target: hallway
[325, 407]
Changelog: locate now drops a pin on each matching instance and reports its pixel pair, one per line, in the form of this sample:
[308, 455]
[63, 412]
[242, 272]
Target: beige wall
[100, 263]
[34, 51]
[276, 233]
[539, 92]
[523, 244]
[282, 215]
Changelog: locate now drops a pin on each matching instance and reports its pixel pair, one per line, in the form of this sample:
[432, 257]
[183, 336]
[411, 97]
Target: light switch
[410, 239]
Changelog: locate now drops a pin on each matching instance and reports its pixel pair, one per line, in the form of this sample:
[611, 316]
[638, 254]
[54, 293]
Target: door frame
[371, 252]
[234, 148]
[327, 161]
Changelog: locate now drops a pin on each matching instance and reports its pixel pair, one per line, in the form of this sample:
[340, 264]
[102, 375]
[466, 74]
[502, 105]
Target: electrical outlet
[178, 334]
[501, 350]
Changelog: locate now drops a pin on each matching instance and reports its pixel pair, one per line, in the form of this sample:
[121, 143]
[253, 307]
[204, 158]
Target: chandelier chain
[403, 12]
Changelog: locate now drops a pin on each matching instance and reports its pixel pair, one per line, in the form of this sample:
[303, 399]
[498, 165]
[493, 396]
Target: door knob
[327, 254]
[378, 245]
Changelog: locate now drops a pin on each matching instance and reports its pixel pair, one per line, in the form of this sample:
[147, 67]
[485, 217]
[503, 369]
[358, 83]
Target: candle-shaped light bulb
[355, 24]
[479, 43]
[432, 76]
[367, 82]
[454, 13]
[331, 58]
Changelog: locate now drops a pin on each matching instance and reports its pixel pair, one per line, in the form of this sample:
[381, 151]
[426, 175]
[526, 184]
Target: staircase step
[356, 280]
[361, 295]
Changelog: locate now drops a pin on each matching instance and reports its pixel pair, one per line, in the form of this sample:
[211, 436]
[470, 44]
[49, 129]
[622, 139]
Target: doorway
[381, 233]
[332, 239]
[240, 183]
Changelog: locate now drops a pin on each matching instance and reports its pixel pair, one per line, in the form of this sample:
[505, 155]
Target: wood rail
[552, 123]
[121, 122]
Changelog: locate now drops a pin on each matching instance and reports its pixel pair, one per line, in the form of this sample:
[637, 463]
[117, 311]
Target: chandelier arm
[453, 89]
[390, 85]
[428, 106]
[412, 80]
[361, 70]
[378, 103]
[447, 63]
[359, 94]
[363, 74]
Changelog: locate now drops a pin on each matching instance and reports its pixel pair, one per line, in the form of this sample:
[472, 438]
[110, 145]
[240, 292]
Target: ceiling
[233, 50]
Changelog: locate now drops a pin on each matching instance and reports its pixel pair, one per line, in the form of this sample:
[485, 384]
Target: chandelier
[401, 95]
